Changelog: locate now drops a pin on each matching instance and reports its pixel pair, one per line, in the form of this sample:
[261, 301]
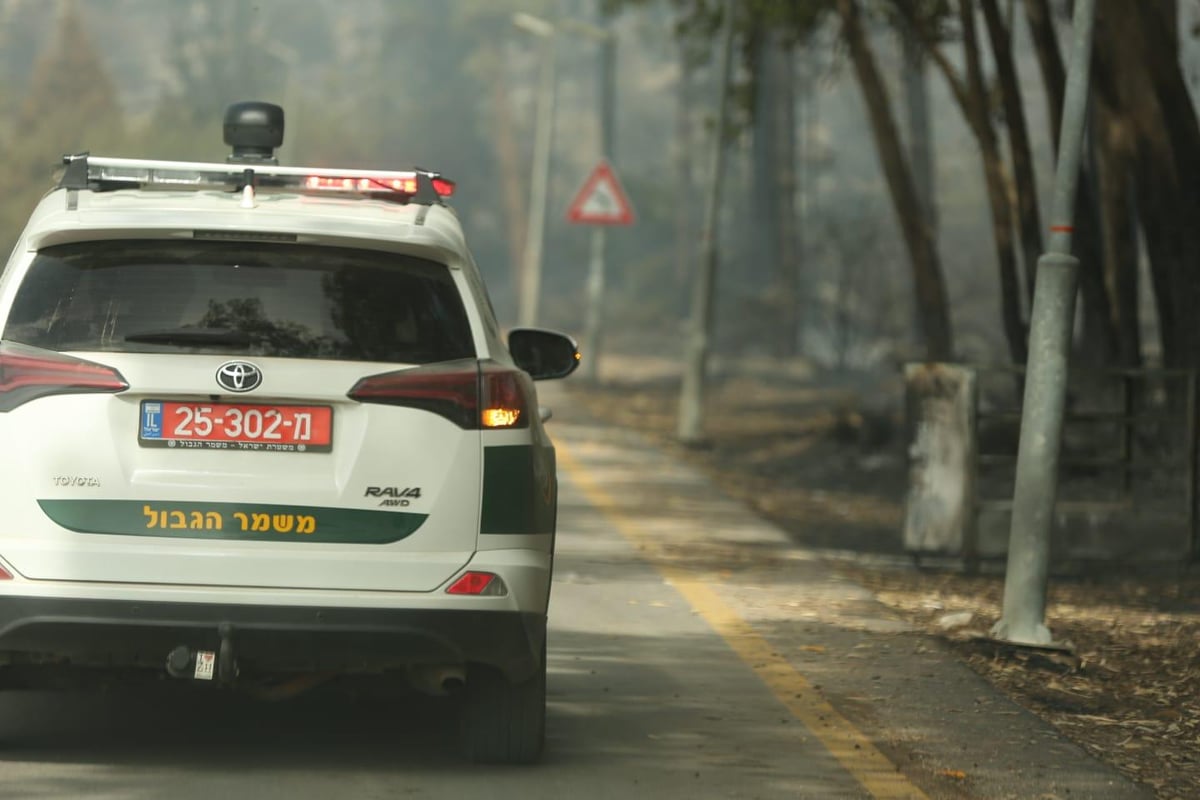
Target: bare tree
[928, 280]
[971, 95]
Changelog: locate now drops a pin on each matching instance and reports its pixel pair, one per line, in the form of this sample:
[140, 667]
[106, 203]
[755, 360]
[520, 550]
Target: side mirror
[543, 354]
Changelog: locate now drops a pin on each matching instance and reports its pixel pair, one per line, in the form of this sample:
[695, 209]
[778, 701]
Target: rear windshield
[261, 299]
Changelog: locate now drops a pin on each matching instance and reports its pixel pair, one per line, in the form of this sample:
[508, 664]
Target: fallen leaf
[949, 622]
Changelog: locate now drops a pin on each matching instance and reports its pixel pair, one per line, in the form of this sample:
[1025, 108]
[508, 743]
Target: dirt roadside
[821, 457]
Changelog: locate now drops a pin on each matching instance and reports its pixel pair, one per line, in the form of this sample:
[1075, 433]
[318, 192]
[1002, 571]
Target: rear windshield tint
[261, 299]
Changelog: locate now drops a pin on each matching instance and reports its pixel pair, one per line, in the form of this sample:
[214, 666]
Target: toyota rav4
[260, 424]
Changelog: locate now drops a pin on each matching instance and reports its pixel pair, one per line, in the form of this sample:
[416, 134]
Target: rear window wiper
[188, 336]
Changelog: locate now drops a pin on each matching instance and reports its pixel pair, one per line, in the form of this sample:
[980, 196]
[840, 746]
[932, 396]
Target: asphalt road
[645, 701]
[676, 671]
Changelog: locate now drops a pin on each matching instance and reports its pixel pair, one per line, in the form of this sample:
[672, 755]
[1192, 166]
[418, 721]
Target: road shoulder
[944, 727]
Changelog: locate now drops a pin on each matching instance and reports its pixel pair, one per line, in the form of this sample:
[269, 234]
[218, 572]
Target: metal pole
[594, 320]
[691, 396]
[1036, 489]
[531, 267]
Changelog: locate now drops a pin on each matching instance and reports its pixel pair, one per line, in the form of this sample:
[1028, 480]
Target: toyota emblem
[239, 376]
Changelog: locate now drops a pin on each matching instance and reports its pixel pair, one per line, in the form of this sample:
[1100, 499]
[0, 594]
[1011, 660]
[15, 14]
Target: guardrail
[1127, 468]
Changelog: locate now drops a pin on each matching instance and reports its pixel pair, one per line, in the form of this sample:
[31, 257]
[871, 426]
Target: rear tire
[504, 722]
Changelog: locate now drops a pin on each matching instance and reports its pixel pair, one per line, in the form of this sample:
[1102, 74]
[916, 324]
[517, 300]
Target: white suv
[260, 425]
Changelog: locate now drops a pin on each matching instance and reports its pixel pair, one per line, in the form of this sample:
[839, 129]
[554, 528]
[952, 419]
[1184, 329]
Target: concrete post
[539, 185]
[940, 506]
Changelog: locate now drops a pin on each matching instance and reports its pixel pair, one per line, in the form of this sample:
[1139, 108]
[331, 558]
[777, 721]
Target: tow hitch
[205, 665]
[227, 670]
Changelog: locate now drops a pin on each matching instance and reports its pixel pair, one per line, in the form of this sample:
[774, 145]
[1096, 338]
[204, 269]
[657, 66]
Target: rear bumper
[265, 638]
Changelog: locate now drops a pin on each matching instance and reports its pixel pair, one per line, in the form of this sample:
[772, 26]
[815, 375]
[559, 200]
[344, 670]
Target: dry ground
[823, 457]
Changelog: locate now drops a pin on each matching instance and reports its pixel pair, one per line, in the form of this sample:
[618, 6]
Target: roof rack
[101, 174]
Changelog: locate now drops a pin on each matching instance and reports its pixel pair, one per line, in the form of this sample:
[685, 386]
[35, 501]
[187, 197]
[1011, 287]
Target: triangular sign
[601, 200]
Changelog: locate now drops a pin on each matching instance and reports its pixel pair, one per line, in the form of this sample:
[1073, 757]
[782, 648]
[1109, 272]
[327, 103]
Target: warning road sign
[601, 201]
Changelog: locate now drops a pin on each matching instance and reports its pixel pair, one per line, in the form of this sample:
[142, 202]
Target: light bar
[238, 169]
[199, 175]
[143, 175]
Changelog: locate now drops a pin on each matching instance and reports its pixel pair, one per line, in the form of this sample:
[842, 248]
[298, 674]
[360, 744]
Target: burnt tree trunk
[920, 137]
[1045, 47]
[971, 98]
[1140, 54]
[685, 224]
[763, 244]
[783, 126]
[1117, 163]
[997, 188]
[928, 280]
[774, 188]
[1029, 216]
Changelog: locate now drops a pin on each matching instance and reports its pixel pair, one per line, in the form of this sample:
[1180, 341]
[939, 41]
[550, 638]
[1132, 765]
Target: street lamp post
[539, 185]
[531, 268]
[700, 324]
[593, 331]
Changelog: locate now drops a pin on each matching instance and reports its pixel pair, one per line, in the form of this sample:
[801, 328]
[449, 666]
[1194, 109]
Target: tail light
[505, 396]
[449, 389]
[478, 584]
[471, 395]
[5, 575]
[27, 373]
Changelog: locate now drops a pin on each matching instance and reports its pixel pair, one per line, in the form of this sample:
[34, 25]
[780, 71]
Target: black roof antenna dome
[253, 129]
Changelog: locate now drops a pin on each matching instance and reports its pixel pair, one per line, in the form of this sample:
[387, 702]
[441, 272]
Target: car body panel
[94, 456]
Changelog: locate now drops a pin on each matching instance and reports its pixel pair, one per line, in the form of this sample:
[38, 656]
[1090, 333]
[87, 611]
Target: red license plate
[236, 426]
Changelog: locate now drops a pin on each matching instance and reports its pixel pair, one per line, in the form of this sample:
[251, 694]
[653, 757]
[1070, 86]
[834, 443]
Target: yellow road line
[853, 750]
